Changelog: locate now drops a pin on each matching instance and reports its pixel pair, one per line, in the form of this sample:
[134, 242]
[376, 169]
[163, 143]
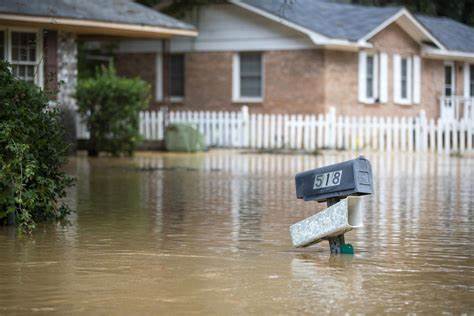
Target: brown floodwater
[208, 234]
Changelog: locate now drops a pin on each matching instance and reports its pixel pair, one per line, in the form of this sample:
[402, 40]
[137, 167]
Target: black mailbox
[353, 177]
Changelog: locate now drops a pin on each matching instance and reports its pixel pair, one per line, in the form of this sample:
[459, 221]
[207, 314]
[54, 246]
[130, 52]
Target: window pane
[15, 38]
[30, 74]
[176, 83]
[32, 54]
[447, 74]
[448, 84]
[23, 54]
[370, 77]
[22, 71]
[15, 52]
[251, 86]
[250, 75]
[23, 46]
[404, 78]
[404, 67]
[2, 45]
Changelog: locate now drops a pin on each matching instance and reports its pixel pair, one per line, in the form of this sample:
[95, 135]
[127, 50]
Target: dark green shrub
[32, 151]
[110, 105]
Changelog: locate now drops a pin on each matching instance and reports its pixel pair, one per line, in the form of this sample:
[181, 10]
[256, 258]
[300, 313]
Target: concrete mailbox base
[334, 221]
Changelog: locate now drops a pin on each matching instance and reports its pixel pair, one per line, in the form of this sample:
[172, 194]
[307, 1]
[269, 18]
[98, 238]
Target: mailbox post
[334, 185]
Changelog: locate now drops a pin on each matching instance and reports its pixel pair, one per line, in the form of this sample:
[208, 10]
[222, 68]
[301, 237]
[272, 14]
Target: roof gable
[452, 34]
[395, 38]
[410, 25]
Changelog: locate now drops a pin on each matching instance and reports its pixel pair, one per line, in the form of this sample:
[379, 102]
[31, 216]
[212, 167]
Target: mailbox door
[329, 180]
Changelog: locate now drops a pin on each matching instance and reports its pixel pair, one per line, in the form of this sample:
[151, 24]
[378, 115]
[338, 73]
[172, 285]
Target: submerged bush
[110, 105]
[32, 151]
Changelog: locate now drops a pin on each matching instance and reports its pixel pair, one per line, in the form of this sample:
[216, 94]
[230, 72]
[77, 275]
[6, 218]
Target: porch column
[67, 83]
[67, 69]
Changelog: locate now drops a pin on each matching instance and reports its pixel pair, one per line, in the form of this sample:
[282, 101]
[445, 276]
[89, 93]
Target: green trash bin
[183, 137]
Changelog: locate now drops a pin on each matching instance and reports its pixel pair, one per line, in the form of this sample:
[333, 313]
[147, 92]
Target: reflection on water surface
[208, 233]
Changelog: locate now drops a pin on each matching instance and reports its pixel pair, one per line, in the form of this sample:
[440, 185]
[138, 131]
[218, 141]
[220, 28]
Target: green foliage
[32, 151]
[110, 106]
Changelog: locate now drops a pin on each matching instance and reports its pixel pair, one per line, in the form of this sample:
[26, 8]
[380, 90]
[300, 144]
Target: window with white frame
[176, 76]
[372, 77]
[23, 55]
[23, 50]
[449, 87]
[406, 79]
[248, 77]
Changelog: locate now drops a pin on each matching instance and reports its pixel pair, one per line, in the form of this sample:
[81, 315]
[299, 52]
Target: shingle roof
[452, 34]
[116, 11]
[334, 20]
[352, 22]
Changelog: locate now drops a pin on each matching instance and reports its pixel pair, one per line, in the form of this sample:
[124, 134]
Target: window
[22, 48]
[449, 79]
[2, 45]
[176, 76]
[471, 80]
[370, 77]
[248, 77]
[23, 55]
[404, 78]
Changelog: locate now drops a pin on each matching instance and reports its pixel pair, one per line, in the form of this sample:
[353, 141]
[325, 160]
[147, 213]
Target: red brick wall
[208, 81]
[293, 82]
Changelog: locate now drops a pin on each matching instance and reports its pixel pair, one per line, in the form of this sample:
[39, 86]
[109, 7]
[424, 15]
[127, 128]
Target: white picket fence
[240, 129]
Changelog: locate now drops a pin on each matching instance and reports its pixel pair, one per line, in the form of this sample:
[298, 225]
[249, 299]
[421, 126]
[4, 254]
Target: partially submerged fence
[240, 129]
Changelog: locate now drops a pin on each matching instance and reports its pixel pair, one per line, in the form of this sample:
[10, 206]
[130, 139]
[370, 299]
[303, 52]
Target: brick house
[39, 38]
[308, 56]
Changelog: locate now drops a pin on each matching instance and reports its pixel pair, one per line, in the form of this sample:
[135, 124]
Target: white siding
[224, 27]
